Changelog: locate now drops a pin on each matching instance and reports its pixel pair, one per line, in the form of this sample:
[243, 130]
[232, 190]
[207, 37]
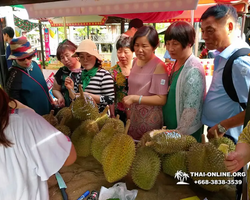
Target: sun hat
[89, 47]
[20, 48]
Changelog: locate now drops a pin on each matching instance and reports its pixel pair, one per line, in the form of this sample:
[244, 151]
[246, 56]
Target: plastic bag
[119, 190]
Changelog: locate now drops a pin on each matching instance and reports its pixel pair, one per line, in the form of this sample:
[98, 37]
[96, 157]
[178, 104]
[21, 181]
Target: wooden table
[87, 174]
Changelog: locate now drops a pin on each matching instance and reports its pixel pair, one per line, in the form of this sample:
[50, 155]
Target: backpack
[227, 79]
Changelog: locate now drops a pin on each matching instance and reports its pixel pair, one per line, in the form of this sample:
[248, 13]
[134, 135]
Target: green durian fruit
[83, 109]
[145, 168]
[174, 162]
[89, 127]
[205, 157]
[118, 124]
[101, 140]
[82, 138]
[64, 129]
[118, 156]
[216, 141]
[64, 113]
[169, 141]
[51, 118]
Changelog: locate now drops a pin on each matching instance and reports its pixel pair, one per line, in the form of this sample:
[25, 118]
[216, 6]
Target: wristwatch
[221, 128]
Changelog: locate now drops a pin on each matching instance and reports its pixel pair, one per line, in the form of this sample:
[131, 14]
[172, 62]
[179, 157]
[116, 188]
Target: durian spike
[127, 126]
[81, 91]
[203, 139]
[216, 134]
[117, 116]
[224, 148]
[104, 112]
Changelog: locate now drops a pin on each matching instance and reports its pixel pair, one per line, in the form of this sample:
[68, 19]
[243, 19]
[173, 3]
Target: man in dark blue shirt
[8, 34]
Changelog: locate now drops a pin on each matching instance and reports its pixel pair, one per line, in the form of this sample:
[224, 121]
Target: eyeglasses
[28, 58]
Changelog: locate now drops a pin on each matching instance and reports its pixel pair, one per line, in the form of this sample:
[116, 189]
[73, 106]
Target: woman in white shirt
[31, 150]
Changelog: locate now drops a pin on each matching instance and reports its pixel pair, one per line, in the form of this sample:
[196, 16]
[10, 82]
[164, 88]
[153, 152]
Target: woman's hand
[129, 100]
[61, 102]
[69, 83]
[234, 161]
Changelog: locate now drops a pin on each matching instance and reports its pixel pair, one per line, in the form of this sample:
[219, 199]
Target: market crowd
[140, 89]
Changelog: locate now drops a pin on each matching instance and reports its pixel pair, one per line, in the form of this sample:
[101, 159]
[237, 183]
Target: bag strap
[227, 78]
[36, 82]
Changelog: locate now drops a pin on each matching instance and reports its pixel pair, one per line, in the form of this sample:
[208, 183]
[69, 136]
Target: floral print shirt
[121, 86]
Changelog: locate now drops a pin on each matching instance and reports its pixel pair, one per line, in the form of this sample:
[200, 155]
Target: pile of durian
[106, 139]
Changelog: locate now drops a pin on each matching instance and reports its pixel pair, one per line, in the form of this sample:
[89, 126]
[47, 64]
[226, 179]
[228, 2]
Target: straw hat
[89, 47]
[20, 48]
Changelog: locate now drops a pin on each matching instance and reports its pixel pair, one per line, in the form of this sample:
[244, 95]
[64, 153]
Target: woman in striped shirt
[96, 82]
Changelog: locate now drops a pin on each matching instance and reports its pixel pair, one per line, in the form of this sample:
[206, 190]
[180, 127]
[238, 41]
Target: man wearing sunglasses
[25, 81]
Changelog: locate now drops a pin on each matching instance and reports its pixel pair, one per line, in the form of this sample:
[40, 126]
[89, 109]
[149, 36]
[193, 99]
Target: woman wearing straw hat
[25, 81]
[96, 82]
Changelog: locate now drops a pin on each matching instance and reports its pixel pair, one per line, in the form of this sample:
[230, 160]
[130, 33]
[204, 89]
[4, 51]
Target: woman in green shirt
[186, 89]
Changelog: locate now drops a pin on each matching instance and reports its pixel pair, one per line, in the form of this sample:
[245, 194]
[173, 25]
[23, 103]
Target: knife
[61, 185]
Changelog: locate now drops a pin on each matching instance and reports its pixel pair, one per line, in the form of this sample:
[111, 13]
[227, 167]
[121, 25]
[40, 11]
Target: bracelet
[140, 99]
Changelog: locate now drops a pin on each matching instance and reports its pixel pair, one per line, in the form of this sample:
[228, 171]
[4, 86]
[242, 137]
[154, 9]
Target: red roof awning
[154, 17]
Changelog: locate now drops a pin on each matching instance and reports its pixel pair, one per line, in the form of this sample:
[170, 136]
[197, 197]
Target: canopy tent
[90, 20]
[105, 7]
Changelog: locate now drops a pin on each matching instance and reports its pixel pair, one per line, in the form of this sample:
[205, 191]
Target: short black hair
[136, 23]
[220, 11]
[123, 42]
[9, 31]
[149, 32]
[182, 32]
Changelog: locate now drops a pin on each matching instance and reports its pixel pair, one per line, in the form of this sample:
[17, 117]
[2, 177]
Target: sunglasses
[28, 58]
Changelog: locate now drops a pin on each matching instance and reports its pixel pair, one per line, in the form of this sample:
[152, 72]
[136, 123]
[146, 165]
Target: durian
[51, 118]
[118, 124]
[64, 113]
[224, 149]
[145, 168]
[174, 162]
[169, 141]
[82, 137]
[64, 129]
[216, 141]
[89, 127]
[83, 109]
[118, 156]
[101, 140]
[206, 158]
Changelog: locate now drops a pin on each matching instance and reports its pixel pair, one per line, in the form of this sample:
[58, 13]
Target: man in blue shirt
[8, 34]
[167, 57]
[220, 112]
[218, 25]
